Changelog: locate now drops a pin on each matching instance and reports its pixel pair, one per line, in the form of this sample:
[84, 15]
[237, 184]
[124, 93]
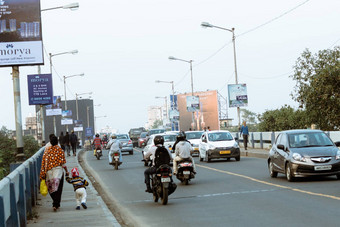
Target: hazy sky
[124, 47]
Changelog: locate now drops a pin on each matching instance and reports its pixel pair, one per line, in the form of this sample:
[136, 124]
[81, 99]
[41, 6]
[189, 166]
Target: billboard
[55, 108]
[66, 117]
[40, 89]
[206, 115]
[193, 103]
[237, 94]
[78, 126]
[20, 33]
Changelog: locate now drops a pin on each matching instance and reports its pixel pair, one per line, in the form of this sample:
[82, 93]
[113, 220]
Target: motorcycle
[98, 153]
[162, 185]
[185, 171]
[115, 160]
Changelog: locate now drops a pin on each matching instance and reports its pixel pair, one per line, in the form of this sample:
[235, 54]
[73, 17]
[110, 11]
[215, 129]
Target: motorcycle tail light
[159, 174]
[116, 154]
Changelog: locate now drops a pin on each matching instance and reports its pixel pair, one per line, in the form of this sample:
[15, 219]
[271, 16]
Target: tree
[248, 116]
[317, 87]
[157, 123]
[285, 118]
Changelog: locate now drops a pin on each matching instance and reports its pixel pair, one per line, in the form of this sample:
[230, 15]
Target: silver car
[126, 143]
[299, 153]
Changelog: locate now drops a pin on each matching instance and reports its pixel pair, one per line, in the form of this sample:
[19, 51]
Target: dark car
[126, 143]
[142, 139]
[300, 153]
[134, 134]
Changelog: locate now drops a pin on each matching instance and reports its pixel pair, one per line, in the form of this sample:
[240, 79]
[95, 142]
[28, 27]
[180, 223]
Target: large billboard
[206, 115]
[40, 89]
[20, 33]
[55, 108]
[237, 95]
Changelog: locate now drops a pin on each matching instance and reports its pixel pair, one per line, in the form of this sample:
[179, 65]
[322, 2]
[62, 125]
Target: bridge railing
[19, 192]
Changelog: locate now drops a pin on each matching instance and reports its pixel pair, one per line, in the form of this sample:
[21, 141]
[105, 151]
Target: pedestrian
[79, 186]
[67, 143]
[49, 143]
[205, 129]
[73, 141]
[52, 165]
[62, 140]
[244, 131]
[209, 128]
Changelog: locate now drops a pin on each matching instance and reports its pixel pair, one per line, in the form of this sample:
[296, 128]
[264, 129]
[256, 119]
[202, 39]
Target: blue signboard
[40, 89]
[89, 132]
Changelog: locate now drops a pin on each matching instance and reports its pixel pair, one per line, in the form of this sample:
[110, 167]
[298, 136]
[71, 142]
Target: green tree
[248, 116]
[157, 123]
[317, 87]
[285, 118]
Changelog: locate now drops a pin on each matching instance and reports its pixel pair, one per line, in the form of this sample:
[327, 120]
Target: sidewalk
[254, 152]
[97, 213]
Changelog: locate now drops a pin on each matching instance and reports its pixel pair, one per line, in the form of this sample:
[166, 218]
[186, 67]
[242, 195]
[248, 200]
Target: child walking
[79, 185]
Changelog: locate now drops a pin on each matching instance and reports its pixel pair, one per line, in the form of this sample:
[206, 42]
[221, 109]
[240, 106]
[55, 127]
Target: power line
[271, 77]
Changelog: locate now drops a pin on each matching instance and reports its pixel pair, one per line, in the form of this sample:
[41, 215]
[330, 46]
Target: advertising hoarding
[20, 33]
[78, 126]
[193, 103]
[40, 89]
[66, 117]
[207, 115]
[89, 132]
[237, 94]
[55, 108]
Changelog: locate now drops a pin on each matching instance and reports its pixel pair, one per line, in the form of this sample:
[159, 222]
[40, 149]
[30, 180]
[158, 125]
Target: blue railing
[19, 192]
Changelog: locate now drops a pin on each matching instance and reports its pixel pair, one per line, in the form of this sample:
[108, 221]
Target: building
[156, 113]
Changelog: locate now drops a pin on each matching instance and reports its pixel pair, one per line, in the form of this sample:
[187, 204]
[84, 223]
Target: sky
[123, 47]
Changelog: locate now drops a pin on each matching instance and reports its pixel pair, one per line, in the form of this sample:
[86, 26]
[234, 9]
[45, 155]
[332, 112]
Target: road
[224, 193]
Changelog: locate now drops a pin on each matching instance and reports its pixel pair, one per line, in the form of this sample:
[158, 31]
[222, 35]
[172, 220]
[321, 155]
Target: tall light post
[166, 105]
[208, 25]
[51, 65]
[192, 82]
[95, 119]
[72, 6]
[77, 109]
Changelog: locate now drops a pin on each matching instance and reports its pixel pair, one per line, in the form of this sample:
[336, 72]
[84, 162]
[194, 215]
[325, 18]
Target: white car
[218, 144]
[194, 137]
[169, 140]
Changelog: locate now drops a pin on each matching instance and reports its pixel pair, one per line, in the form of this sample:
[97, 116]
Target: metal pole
[88, 118]
[236, 79]
[173, 104]
[54, 123]
[20, 156]
[192, 93]
[42, 120]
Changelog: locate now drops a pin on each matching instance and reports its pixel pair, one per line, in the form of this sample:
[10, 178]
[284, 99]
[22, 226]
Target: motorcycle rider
[158, 141]
[97, 142]
[183, 151]
[114, 145]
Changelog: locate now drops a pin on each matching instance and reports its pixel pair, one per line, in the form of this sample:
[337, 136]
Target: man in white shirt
[183, 150]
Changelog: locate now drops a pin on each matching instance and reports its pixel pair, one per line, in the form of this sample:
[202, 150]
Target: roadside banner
[40, 89]
[174, 115]
[55, 108]
[78, 126]
[66, 117]
[193, 103]
[20, 33]
[237, 95]
[88, 132]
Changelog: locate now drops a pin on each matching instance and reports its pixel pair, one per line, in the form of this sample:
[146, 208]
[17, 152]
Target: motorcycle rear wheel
[98, 156]
[186, 181]
[155, 197]
[116, 165]
[165, 195]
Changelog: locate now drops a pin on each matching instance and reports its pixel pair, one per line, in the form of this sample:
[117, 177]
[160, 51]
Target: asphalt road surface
[224, 193]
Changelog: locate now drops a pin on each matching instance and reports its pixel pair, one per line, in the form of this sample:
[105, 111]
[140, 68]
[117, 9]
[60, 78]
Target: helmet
[181, 136]
[158, 140]
[97, 135]
[75, 172]
[114, 136]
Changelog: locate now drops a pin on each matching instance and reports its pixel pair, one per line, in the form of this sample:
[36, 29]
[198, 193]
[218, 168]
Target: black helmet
[97, 135]
[158, 140]
[181, 136]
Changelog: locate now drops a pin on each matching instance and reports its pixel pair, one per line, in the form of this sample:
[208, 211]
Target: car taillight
[116, 154]
[130, 142]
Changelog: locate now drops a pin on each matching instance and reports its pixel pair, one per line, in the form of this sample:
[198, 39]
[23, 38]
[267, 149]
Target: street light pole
[208, 25]
[72, 6]
[192, 84]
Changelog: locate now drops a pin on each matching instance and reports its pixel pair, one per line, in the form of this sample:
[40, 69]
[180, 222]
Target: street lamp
[166, 105]
[95, 119]
[72, 6]
[192, 82]
[208, 25]
[65, 77]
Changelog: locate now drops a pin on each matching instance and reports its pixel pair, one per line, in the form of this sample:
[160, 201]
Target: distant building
[155, 113]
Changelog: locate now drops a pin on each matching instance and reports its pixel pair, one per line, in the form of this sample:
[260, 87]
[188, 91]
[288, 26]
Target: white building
[156, 113]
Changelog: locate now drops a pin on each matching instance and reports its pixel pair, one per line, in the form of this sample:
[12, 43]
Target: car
[142, 139]
[304, 152]
[126, 143]
[155, 131]
[218, 144]
[134, 134]
[194, 138]
[169, 140]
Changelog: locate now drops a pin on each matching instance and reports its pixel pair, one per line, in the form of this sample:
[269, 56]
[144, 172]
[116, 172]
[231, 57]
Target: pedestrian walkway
[97, 213]
[254, 152]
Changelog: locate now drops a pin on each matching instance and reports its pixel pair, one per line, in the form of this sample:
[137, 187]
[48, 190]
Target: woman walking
[52, 165]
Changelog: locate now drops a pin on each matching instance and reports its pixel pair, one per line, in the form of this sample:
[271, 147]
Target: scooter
[98, 153]
[185, 171]
[162, 185]
[115, 160]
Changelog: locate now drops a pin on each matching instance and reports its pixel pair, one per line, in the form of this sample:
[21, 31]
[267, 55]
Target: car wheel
[201, 159]
[271, 169]
[131, 152]
[238, 158]
[338, 176]
[289, 174]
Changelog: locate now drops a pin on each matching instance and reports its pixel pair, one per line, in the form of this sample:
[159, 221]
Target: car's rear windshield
[220, 136]
[122, 137]
[193, 135]
[309, 139]
[156, 131]
[143, 135]
[169, 138]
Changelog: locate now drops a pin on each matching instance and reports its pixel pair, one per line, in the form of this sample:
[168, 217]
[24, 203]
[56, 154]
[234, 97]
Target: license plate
[170, 148]
[186, 172]
[326, 167]
[225, 152]
[165, 179]
[196, 148]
